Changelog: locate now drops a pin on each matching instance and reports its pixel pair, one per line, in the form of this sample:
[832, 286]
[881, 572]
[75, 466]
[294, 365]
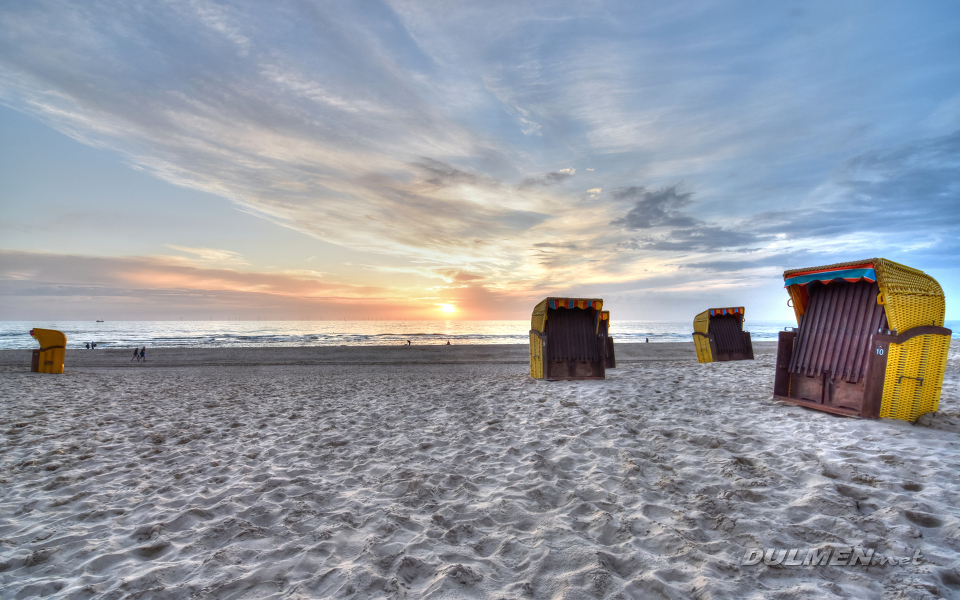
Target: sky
[433, 160]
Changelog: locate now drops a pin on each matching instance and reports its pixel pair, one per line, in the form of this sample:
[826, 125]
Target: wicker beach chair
[870, 341]
[718, 335]
[565, 340]
[49, 358]
[610, 358]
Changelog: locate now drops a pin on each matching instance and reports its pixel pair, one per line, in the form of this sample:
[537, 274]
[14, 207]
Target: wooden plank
[872, 321]
[830, 409]
[823, 322]
[921, 330]
[826, 312]
[857, 337]
[830, 336]
[876, 373]
[808, 327]
[842, 344]
[781, 377]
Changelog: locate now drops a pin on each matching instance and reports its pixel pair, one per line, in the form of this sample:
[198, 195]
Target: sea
[252, 334]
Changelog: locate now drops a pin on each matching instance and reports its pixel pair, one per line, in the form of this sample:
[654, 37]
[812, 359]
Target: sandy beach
[446, 471]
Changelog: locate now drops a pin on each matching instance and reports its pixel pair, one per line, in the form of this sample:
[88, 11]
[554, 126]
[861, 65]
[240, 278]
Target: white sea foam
[233, 334]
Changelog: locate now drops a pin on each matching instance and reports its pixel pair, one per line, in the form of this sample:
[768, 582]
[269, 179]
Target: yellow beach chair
[565, 340]
[718, 335]
[870, 340]
[49, 358]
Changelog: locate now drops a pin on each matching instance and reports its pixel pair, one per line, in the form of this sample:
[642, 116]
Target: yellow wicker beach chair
[565, 340]
[718, 335]
[870, 340]
[49, 358]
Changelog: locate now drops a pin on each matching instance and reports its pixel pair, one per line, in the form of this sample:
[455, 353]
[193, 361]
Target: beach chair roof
[701, 322]
[49, 338]
[539, 319]
[910, 296]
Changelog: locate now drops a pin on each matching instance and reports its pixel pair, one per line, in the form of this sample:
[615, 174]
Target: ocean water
[212, 334]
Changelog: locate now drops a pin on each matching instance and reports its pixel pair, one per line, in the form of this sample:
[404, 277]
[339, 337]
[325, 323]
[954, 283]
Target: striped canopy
[851, 273]
[574, 303]
[737, 310]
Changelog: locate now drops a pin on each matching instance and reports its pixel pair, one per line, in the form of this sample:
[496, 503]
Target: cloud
[662, 209]
[654, 209]
[85, 287]
[456, 276]
[557, 245]
[911, 192]
[551, 178]
[212, 256]
[700, 239]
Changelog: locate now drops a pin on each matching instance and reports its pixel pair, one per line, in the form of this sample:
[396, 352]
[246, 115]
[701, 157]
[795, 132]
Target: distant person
[647, 340]
[136, 355]
[88, 346]
[408, 342]
[93, 346]
[143, 353]
[448, 342]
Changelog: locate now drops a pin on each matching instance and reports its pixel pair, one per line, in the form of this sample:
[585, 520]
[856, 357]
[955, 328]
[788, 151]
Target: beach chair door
[829, 359]
[728, 340]
[573, 349]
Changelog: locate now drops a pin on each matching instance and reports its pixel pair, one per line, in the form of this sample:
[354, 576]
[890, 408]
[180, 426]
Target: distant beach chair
[719, 336]
[870, 341]
[610, 359]
[565, 341]
[49, 358]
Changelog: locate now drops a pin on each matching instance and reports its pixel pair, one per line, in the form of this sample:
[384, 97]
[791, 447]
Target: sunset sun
[448, 308]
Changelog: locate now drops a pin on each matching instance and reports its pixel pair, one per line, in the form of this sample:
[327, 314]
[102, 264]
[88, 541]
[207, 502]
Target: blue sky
[381, 159]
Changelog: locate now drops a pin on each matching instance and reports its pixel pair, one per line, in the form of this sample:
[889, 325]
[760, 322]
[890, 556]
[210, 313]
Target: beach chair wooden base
[862, 398]
[574, 369]
[746, 353]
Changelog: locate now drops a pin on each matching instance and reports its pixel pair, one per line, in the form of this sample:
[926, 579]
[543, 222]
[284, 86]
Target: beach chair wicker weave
[565, 340]
[718, 335]
[870, 340]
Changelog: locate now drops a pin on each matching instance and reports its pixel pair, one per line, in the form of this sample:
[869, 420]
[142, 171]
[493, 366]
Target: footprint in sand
[923, 519]
[852, 492]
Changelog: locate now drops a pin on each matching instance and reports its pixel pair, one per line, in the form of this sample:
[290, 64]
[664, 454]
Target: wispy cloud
[212, 256]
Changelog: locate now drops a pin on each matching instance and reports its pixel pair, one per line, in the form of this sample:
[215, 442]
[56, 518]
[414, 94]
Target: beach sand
[446, 471]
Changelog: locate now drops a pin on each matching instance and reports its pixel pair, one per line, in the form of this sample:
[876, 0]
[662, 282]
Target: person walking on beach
[136, 355]
[408, 342]
[143, 353]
